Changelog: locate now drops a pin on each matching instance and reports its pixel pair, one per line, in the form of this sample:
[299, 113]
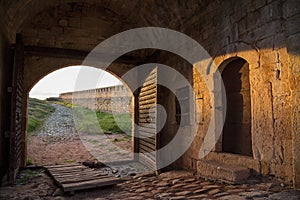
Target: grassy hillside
[86, 121]
[38, 112]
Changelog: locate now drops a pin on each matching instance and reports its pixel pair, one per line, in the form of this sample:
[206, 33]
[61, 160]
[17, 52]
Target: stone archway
[236, 136]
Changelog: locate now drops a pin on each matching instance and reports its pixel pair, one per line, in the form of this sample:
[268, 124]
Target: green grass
[25, 175]
[63, 103]
[29, 161]
[89, 121]
[94, 141]
[121, 139]
[38, 112]
[69, 161]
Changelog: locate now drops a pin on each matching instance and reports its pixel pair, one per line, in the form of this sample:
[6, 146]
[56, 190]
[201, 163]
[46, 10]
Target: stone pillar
[291, 13]
[295, 87]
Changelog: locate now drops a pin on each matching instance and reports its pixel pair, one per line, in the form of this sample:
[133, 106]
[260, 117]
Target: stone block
[281, 170]
[265, 167]
[295, 81]
[291, 195]
[254, 19]
[280, 40]
[288, 151]
[268, 57]
[238, 15]
[266, 44]
[242, 26]
[291, 8]
[216, 170]
[271, 12]
[234, 159]
[256, 4]
[267, 30]
[293, 45]
[292, 24]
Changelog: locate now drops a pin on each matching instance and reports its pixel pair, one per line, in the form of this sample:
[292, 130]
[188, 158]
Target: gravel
[59, 126]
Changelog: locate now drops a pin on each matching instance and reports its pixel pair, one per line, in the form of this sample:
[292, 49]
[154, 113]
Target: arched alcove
[236, 137]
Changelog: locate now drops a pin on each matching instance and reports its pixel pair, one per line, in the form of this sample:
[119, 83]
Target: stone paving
[177, 185]
[173, 185]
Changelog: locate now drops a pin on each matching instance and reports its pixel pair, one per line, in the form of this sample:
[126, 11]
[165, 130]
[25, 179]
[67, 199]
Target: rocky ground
[55, 145]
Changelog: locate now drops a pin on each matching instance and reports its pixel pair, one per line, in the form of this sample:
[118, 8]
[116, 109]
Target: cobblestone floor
[172, 185]
[183, 185]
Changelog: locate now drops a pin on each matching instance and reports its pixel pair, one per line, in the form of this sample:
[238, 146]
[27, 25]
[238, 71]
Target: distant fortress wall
[114, 99]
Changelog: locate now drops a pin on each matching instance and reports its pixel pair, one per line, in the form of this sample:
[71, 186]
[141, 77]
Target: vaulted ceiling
[79, 24]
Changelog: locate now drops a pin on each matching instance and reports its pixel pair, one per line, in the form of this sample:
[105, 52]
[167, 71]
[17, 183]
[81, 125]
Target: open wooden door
[148, 137]
[16, 147]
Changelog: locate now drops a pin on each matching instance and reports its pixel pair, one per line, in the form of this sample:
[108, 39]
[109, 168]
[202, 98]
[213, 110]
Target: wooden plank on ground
[73, 168]
[61, 166]
[74, 177]
[90, 184]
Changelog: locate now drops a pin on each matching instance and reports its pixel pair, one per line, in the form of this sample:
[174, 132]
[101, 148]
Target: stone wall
[253, 31]
[115, 99]
[291, 13]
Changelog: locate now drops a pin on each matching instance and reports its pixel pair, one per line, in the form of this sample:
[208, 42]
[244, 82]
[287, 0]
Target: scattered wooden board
[74, 177]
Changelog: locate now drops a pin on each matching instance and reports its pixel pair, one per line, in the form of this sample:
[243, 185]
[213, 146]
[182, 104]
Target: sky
[73, 78]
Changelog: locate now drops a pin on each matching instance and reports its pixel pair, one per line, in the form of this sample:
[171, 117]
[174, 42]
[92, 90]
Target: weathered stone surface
[201, 196]
[141, 190]
[163, 184]
[221, 171]
[214, 191]
[294, 195]
[254, 194]
[233, 197]
[200, 191]
[178, 198]
[183, 193]
[218, 195]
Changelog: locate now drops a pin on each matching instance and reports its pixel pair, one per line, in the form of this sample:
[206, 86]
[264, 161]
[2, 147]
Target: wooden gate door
[148, 138]
[16, 150]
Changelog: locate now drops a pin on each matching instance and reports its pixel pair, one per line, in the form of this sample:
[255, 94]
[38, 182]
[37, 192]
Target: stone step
[216, 170]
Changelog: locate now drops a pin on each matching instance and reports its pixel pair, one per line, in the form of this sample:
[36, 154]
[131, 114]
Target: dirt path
[58, 142]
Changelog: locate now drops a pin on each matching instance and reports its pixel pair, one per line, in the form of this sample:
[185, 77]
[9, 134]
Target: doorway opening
[81, 123]
[236, 137]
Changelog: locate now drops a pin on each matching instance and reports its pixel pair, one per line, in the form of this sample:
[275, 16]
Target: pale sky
[73, 78]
